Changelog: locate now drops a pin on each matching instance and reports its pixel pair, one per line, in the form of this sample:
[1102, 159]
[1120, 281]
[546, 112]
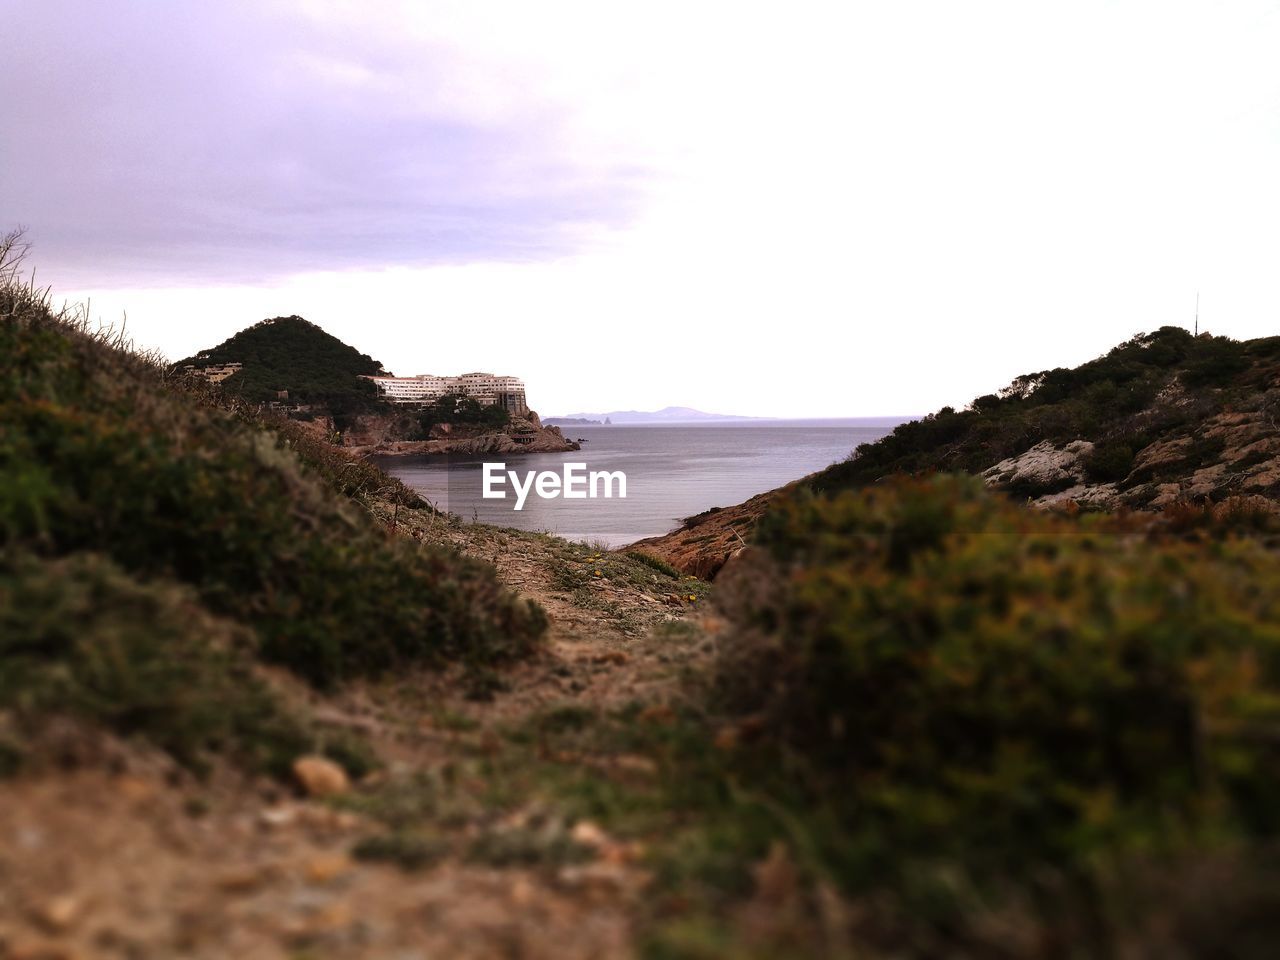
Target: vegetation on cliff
[1147, 390]
[173, 540]
[458, 409]
[289, 353]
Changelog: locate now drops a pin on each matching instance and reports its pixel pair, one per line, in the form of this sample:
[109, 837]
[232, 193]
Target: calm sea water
[673, 471]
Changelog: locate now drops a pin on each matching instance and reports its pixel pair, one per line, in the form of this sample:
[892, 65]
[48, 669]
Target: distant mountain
[290, 353]
[665, 415]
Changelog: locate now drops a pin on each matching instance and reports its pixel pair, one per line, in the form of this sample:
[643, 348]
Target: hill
[1162, 419]
[159, 545]
[289, 353]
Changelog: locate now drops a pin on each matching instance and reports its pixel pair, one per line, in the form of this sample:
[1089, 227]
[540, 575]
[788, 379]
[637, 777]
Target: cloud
[235, 142]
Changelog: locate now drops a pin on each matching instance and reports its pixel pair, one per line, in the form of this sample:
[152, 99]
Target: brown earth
[119, 853]
[705, 542]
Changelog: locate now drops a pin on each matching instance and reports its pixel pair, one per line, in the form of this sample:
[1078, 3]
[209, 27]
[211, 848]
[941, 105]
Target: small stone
[276, 817]
[58, 914]
[320, 776]
[588, 834]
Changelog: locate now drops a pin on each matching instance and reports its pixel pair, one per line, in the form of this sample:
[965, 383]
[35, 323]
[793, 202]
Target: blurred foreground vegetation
[993, 731]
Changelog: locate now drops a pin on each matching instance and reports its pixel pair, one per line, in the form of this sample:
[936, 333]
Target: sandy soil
[120, 854]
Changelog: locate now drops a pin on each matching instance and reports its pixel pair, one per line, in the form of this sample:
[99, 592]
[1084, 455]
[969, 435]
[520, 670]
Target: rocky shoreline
[393, 435]
[547, 440]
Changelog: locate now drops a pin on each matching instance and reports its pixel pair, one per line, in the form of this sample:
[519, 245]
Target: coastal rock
[386, 435]
[1097, 494]
[1161, 455]
[704, 543]
[1044, 467]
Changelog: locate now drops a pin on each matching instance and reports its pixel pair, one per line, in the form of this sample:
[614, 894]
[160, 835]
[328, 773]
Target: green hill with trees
[290, 353]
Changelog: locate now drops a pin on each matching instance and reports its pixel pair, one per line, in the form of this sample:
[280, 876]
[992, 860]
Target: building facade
[215, 374]
[486, 389]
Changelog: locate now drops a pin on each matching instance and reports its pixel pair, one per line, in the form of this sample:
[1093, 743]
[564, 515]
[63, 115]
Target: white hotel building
[485, 388]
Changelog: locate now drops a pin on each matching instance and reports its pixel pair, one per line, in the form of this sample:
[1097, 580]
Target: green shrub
[80, 637]
[657, 563]
[461, 409]
[1109, 462]
[949, 685]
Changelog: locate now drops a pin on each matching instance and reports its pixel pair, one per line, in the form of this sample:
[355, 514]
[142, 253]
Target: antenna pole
[1197, 313]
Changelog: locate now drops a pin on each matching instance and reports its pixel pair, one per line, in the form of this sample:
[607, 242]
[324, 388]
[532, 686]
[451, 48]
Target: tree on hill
[289, 353]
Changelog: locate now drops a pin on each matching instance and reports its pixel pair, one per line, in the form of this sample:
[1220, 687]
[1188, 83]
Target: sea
[672, 471]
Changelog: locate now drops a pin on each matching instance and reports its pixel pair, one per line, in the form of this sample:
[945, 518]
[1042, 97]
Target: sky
[801, 209]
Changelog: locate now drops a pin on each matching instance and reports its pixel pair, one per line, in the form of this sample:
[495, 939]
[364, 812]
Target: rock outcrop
[1234, 453]
[399, 434]
[704, 543]
[1043, 467]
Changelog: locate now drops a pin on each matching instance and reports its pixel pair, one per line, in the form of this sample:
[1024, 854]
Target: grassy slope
[174, 541]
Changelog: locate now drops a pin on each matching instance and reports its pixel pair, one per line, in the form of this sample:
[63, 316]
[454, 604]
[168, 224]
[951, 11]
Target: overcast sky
[832, 209]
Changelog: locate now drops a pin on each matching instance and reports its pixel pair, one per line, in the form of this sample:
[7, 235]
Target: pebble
[57, 914]
[320, 776]
[588, 834]
[278, 816]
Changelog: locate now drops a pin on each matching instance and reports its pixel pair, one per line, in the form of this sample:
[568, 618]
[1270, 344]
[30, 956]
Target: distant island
[665, 415]
[570, 421]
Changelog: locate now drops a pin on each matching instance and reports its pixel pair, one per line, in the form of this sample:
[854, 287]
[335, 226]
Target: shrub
[951, 686]
[80, 637]
[1109, 462]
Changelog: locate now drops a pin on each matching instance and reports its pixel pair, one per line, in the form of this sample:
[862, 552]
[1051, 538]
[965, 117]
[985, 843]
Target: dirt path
[454, 849]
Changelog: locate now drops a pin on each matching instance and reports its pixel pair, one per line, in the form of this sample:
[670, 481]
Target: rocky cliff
[704, 543]
[398, 433]
[1233, 453]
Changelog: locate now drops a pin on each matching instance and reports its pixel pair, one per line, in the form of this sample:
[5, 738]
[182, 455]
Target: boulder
[1044, 466]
